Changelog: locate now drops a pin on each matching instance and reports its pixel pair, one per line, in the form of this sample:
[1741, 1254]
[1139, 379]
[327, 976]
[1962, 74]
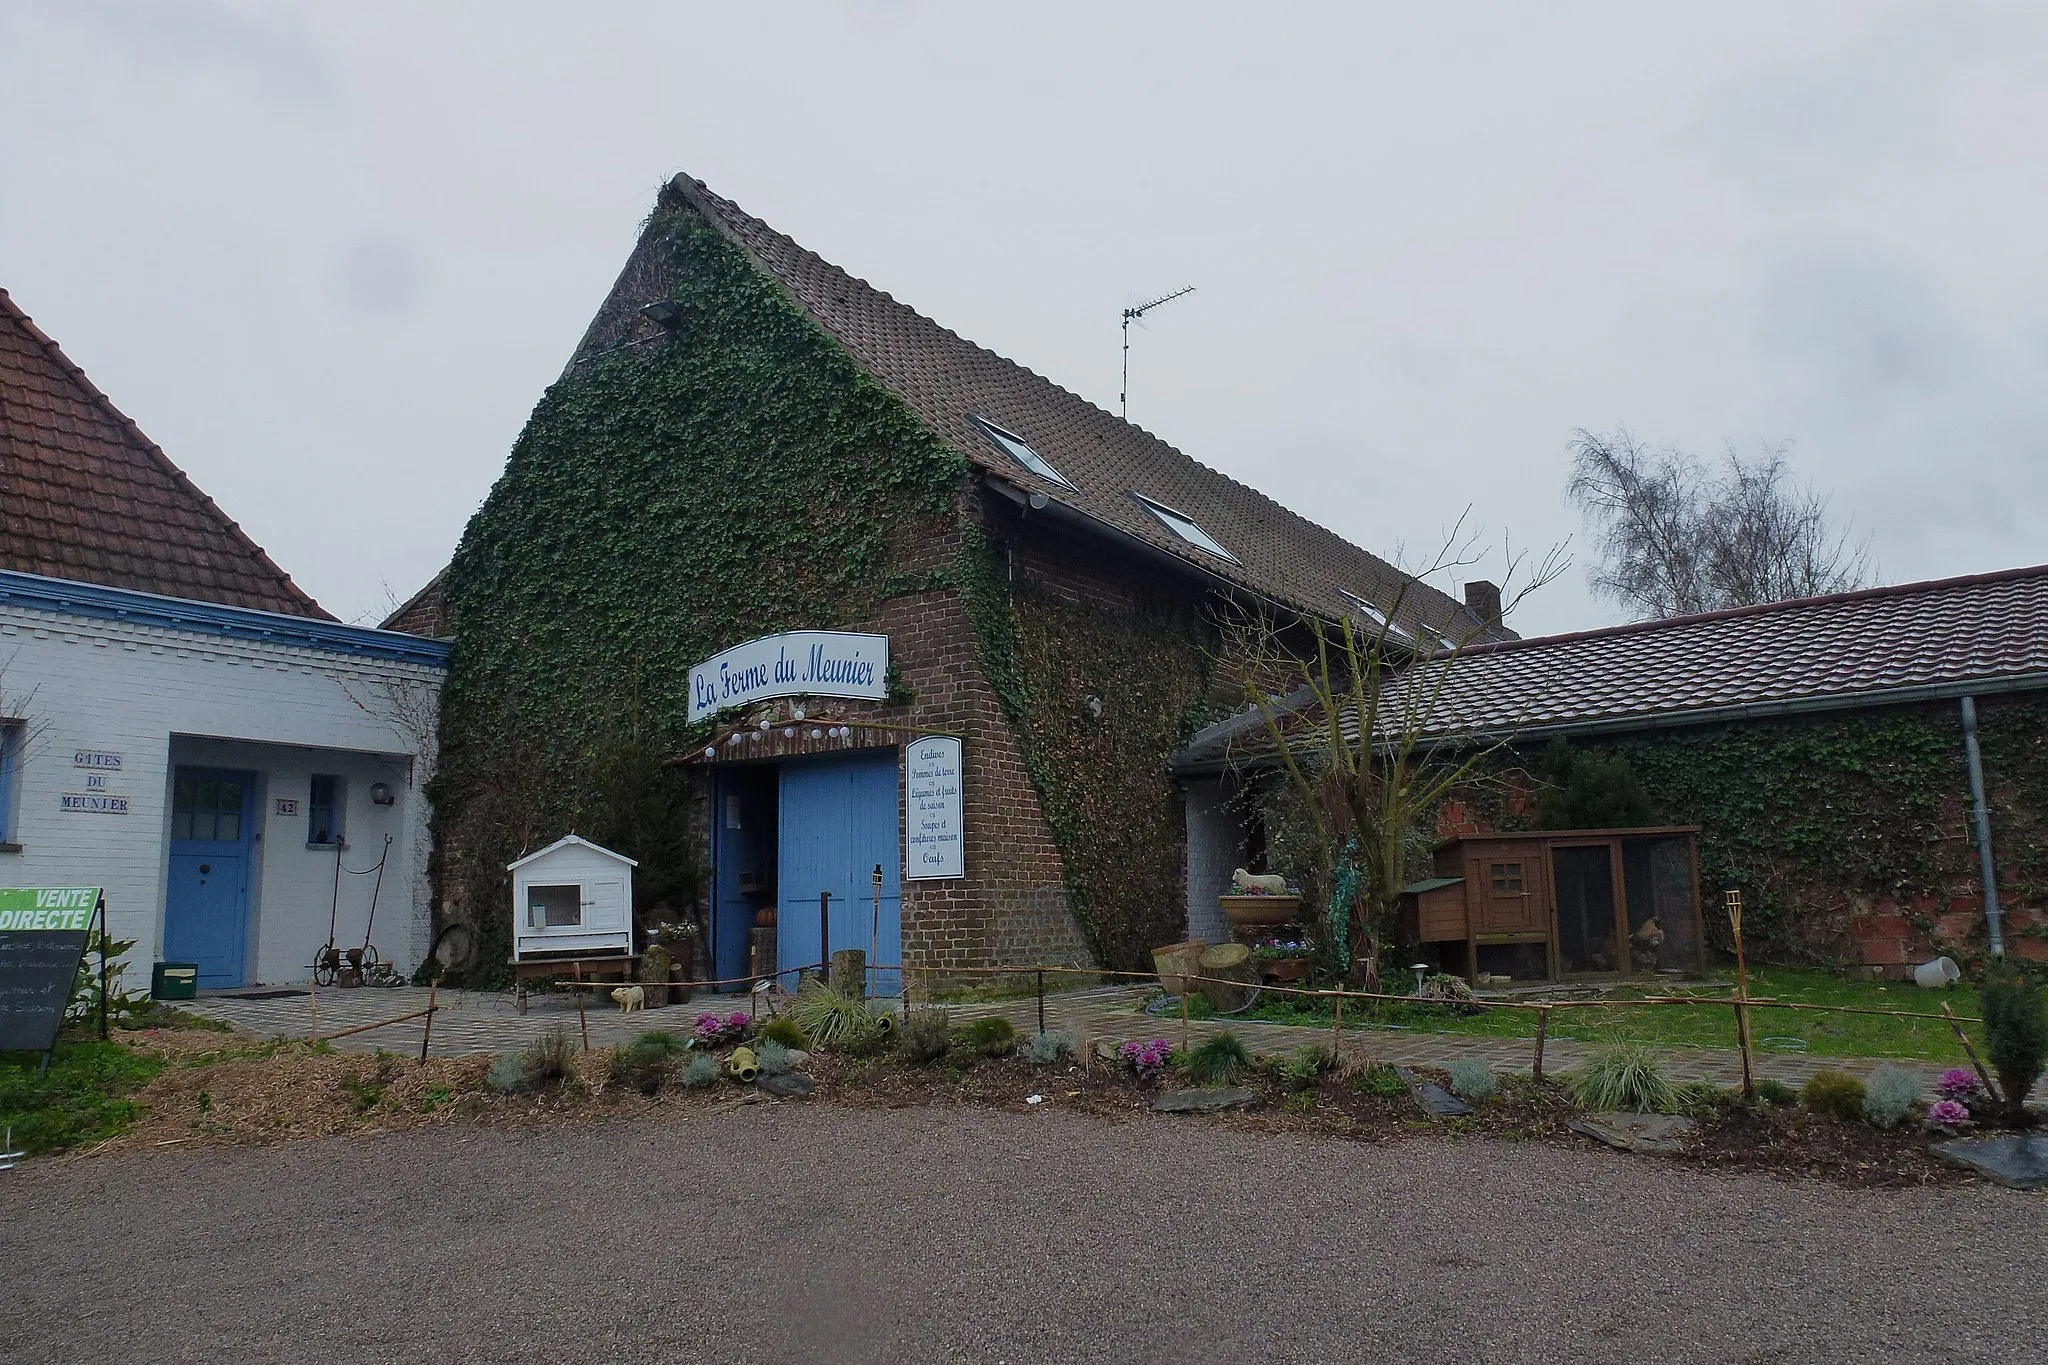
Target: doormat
[261, 995]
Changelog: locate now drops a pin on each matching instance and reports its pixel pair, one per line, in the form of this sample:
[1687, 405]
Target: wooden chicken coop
[1563, 903]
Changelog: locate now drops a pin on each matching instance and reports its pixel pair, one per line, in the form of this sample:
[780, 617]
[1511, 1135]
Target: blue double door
[206, 904]
[837, 829]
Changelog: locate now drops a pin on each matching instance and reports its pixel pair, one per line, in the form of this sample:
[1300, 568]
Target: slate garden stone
[1432, 1097]
[787, 1084]
[2016, 1160]
[1203, 1101]
[1656, 1134]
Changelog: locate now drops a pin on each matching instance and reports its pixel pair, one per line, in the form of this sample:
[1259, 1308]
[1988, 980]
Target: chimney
[1482, 599]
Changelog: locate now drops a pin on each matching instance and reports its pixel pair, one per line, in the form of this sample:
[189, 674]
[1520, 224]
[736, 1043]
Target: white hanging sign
[801, 663]
[934, 831]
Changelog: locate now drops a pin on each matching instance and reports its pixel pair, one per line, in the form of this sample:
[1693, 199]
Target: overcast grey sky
[330, 255]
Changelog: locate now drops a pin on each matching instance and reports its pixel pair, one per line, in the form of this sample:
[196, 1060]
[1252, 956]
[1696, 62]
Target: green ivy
[1814, 816]
[745, 477]
[1102, 781]
[663, 502]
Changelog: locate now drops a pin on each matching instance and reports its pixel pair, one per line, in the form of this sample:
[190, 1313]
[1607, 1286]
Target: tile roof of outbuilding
[945, 379]
[1985, 633]
[85, 496]
[1985, 630]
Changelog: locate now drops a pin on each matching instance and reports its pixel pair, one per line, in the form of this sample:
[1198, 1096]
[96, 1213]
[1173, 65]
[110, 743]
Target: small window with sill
[1507, 879]
[11, 738]
[324, 811]
[554, 907]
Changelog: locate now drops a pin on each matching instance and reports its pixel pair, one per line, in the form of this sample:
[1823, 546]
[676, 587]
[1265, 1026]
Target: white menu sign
[934, 833]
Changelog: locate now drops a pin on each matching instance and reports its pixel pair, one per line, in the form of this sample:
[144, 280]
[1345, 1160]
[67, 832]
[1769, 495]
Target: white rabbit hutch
[571, 900]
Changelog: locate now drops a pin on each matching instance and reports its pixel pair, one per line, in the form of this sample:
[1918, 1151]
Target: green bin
[174, 980]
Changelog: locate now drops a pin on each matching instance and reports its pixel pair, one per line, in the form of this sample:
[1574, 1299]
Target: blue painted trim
[213, 619]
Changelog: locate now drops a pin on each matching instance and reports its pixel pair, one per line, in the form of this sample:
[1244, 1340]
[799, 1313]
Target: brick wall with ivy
[1849, 832]
[746, 476]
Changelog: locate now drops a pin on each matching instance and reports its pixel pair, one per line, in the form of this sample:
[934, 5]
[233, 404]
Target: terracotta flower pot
[1284, 968]
[1260, 909]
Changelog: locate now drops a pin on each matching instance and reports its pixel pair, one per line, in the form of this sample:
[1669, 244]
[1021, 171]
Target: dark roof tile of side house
[1982, 634]
[85, 496]
[1107, 463]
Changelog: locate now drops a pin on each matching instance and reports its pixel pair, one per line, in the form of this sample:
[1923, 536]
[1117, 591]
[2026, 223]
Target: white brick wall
[159, 696]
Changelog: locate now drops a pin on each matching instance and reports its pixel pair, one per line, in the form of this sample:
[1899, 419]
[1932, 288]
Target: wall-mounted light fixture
[666, 314]
[381, 794]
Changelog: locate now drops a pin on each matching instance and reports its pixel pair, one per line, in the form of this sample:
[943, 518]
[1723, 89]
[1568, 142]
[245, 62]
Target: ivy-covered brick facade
[781, 447]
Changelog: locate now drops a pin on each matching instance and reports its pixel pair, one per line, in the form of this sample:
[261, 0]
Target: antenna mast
[1124, 398]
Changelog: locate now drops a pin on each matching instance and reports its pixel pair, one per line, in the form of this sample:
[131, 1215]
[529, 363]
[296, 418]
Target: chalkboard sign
[42, 935]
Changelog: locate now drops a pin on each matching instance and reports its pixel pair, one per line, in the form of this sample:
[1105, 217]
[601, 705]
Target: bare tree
[1352, 710]
[1679, 537]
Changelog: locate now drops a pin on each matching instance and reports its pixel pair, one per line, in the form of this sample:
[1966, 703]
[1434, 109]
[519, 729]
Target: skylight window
[1183, 525]
[1372, 614]
[1019, 449]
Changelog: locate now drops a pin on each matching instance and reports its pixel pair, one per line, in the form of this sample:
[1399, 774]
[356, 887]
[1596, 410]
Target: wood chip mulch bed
[234, 1088]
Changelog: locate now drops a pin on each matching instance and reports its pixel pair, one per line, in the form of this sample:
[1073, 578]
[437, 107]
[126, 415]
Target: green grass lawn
[82, 1099]
[1775, 1030]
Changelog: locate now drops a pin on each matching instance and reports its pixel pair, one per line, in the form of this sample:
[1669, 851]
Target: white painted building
[207, 765]
[179, 723]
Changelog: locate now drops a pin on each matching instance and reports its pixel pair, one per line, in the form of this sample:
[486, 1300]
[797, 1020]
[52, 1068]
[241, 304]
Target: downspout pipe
[1981, 818]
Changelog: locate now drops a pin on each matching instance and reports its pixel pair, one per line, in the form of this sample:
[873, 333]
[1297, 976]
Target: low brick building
[750, 442]
[1824, 746]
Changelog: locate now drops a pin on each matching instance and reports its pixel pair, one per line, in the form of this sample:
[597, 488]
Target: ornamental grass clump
[833, 1019]
[1472, 1079]
[783, 1029]
[1303, 1067]
[992, 1037]
[645, 1063]
[1218, 1059]
[546, 1064]
[1624, 1077]
[2015, 1030]
[927, 1038]
[1889, 1095]
[1833, 1094]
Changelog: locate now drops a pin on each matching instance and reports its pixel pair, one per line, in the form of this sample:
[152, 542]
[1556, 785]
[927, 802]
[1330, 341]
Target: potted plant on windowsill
[1260, 899]
[1282, 960]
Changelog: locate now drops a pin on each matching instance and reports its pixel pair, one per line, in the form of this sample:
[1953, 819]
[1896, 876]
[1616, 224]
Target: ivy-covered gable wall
[664, 501]
[673, 496]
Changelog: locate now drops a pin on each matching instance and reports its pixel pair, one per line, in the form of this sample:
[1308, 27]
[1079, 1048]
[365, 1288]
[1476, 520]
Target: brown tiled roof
[84, 495]
[1987, 633]
[944, 378]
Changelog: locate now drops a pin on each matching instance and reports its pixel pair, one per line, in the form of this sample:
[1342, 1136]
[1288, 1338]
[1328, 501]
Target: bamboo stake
[1971, 1051]
[313, 1011]
[381, 1023]
[1184, 1017]
[583, 1020]
[1741, 996]
[1542, 1031]
[1337, 1032]
[427, 1033]
[1041, 999]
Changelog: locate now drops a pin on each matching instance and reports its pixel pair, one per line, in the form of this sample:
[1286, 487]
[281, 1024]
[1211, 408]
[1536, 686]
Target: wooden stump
[850, 972]
[763, 960]
[654, 968]
[1232, 962]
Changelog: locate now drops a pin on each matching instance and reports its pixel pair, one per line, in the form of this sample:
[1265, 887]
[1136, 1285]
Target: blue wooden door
[743, 831]
[838, 823]
[206, 908]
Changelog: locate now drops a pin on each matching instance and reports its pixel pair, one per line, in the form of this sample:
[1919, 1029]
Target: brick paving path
[476, 1022]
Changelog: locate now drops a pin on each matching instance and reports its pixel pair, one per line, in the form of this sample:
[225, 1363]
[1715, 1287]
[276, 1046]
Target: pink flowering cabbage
[1149, 1058]
[1958, 1085]
[713, 1029]
[1948, 1113]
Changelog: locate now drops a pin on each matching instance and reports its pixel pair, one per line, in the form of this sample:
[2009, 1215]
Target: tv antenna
[1130, 315]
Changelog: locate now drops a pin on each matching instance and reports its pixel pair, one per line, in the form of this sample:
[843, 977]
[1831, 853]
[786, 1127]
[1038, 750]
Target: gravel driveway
[805, 1233]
